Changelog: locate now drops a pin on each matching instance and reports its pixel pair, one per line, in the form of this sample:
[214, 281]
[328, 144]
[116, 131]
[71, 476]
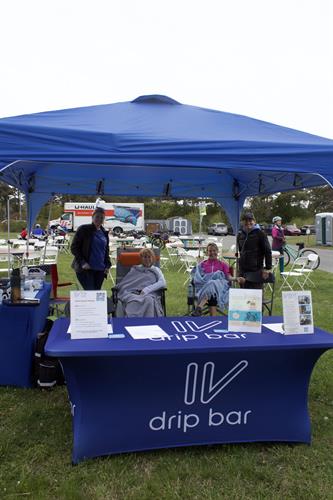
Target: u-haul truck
[120, 217]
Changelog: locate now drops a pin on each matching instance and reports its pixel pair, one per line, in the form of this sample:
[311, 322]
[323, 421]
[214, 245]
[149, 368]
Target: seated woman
[137, 291]
[212, 280]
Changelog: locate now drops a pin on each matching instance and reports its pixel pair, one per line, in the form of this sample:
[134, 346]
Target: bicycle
[291, 253]
[156, 241]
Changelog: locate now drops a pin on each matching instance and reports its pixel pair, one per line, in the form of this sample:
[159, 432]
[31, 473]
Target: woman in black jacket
[90, 248]
[254, 251]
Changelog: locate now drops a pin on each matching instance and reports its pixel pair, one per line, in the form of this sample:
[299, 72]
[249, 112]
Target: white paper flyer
[245, 313]
[89, 314]
[297, 312]
[144, 332]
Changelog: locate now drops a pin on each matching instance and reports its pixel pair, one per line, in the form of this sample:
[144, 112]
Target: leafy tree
[5, 191]
[262, 207]
[320, 200]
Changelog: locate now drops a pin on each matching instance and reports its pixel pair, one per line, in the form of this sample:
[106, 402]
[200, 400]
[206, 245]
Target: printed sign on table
[89, 314]
[245, 313]
[297, 312]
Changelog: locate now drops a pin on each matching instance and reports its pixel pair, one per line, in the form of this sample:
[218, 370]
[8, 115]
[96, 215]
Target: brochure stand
[245, 310]
[89, 318]
[297, 313]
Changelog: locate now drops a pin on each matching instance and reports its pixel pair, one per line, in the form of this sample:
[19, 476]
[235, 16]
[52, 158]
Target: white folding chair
[190, 261]
[294, 278]
[49, 255]
[62, 243]
[32, 259]
[275, 259]
[39, 245]
[308, 269]
[4, 264]
[18, 243]
[172, 253]
[182, 253]
[113, 259]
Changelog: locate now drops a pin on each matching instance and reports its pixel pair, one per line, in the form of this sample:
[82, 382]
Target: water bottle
[15, 285]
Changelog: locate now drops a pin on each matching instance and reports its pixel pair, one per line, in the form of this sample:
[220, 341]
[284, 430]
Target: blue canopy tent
[155, 146]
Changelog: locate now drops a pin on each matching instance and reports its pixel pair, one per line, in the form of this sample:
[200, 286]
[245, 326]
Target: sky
[268, 59]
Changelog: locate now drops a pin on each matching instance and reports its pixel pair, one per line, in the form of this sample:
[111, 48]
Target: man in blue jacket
[255, 254]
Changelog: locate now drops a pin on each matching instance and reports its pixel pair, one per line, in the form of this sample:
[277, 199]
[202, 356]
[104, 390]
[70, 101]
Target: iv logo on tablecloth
[201, 387]
[208, 389]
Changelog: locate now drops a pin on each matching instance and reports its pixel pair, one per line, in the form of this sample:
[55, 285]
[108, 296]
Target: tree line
[295, 206]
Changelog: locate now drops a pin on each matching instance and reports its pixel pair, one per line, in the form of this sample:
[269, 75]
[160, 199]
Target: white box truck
[120, 217]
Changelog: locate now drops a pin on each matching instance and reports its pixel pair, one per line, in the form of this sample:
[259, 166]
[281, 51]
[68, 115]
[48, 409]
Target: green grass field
[36, 439]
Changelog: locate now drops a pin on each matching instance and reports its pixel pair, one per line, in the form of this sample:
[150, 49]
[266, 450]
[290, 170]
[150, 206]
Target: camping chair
[192, 296]
[268, 290]
[126, 258]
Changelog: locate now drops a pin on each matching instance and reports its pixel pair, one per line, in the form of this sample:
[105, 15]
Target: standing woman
[90, 248]
[278, 235]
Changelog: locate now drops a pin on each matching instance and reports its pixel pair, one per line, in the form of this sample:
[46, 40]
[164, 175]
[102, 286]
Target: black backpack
[47, 371]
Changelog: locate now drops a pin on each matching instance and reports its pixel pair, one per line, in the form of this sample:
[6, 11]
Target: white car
[218, 229]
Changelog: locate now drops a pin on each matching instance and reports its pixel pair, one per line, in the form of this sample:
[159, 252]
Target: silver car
[218, 229]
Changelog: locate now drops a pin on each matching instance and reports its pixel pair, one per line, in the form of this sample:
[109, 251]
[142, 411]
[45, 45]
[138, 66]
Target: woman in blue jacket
[90, 248]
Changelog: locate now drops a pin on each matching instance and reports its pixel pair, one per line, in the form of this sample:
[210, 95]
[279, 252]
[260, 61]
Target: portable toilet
[324, 228]
[179, 225]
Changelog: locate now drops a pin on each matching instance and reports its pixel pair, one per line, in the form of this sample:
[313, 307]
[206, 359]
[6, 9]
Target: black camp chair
[192, 298]
[268, 291]
[126, 258]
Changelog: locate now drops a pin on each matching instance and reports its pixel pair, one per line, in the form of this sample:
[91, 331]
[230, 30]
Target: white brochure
[143, 332]
[245, 313]
[297, 312]
[275, 327]
[89, 314]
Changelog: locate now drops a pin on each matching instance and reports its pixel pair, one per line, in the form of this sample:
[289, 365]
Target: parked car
[218, 229]
[291, 230]
[267, 228]
[311, 227]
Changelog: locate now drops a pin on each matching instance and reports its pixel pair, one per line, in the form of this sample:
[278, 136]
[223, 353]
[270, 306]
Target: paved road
[325, 254]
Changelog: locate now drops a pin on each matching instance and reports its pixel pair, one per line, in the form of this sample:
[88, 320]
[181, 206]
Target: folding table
[19, 326]
[195, 386]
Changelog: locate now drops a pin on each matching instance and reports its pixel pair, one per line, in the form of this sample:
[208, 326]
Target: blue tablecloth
[19, 326]
[195, 387]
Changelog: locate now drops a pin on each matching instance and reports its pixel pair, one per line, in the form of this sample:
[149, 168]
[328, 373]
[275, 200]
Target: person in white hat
[38, 232]
[278, 236]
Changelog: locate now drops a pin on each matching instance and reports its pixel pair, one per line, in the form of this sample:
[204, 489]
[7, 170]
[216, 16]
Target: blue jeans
[91, 280]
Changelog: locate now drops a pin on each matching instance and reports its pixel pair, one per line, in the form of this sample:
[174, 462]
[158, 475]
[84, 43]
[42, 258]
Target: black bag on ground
[47, 370]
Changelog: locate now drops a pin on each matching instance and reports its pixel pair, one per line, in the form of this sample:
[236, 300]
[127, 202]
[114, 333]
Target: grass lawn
[36, 439]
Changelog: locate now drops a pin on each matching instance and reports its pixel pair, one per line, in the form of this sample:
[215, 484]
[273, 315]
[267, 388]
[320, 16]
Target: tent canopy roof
[157, 146]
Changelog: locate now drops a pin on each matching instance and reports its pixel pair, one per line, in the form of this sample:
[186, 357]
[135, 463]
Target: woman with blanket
[137, 291]
[212, 279]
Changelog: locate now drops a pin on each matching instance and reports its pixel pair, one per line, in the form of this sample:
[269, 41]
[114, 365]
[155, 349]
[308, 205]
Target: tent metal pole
[47, 227]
